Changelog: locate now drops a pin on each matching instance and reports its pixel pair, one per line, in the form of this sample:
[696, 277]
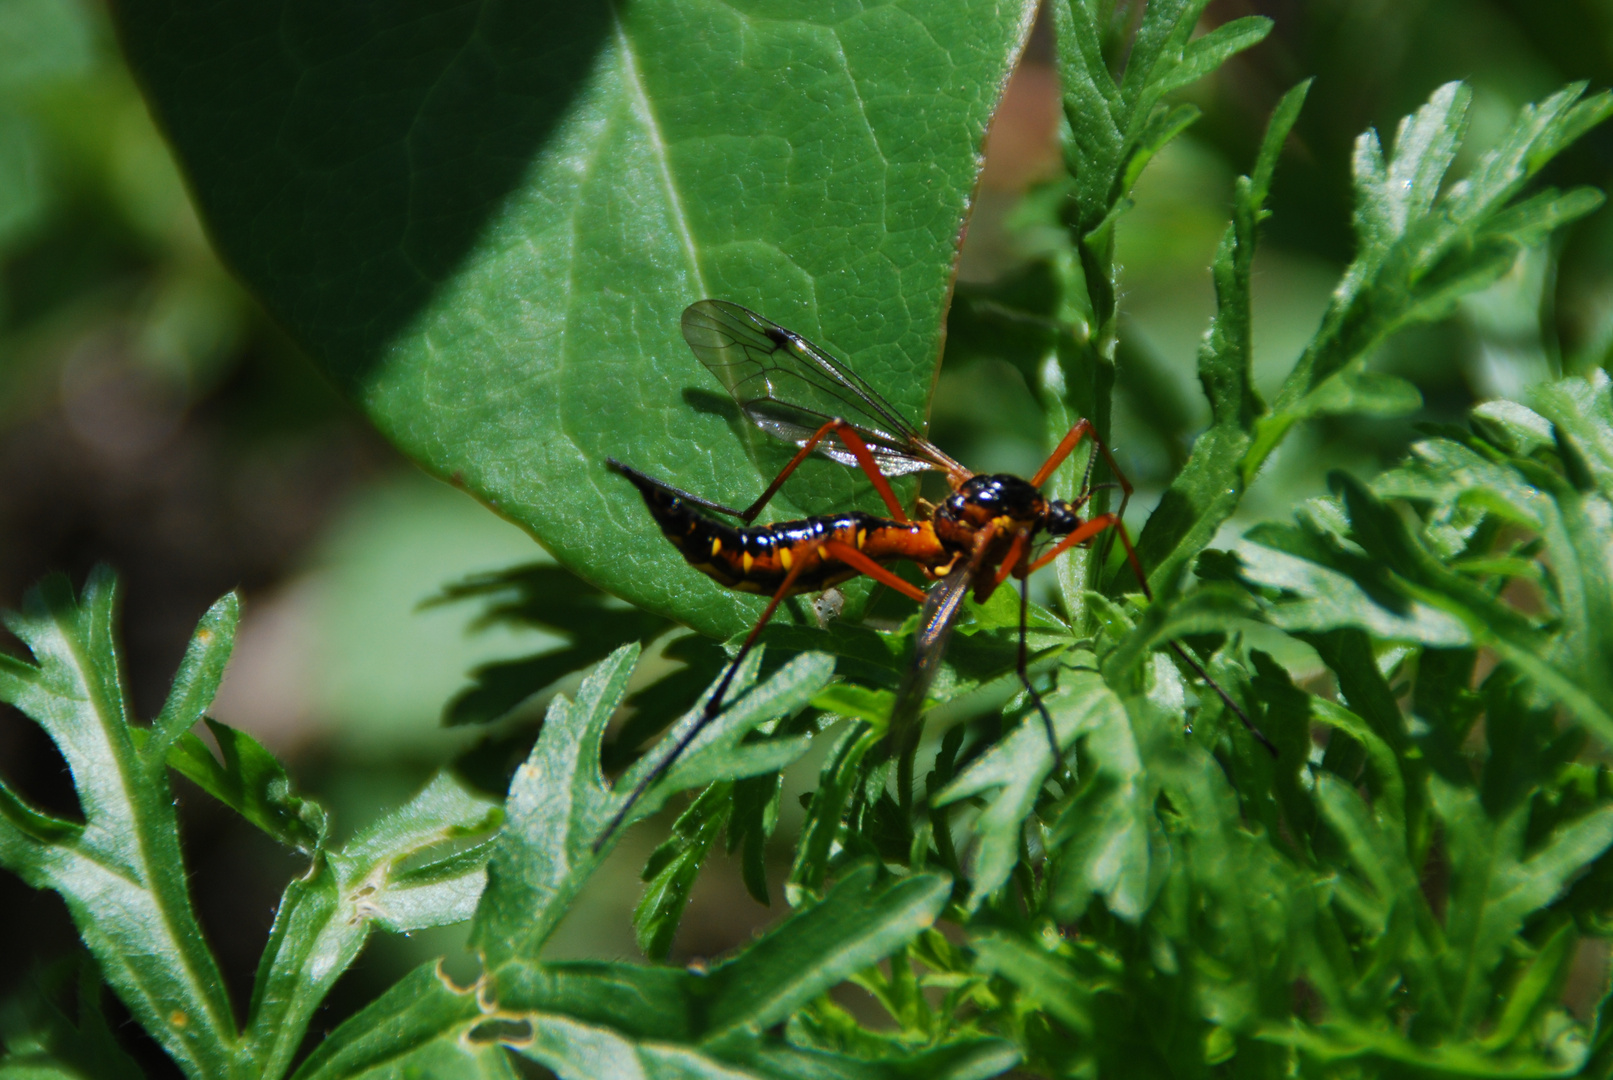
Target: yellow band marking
[785, 557]
[747, 562]
[862, 538]
[716, 544]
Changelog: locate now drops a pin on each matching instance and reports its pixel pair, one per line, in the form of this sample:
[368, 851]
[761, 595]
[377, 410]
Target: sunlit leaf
[484, 224]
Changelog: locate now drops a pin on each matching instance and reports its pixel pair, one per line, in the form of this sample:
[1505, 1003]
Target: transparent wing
[789, 388]
[941, 607]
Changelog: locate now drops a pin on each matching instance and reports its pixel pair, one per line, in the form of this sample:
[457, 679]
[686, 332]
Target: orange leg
[1067, 445]
[1016, 551]
[713, 707]
[1087, 531]
[1080, 430]
[859, 449]
[864, 565]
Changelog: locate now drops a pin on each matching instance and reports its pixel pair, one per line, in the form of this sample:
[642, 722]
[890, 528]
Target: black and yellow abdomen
[757, 558]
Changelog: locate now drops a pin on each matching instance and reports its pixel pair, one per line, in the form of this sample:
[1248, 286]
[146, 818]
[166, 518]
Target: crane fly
[971, 543]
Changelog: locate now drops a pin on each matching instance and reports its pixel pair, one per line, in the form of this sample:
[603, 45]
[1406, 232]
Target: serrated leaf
[484, 223]
[859, 922]
[1207, 490]
[1052, 985]
[1206, 53]
[1361, 392]
[1419, 251]
[121, 874]
[656, 1021]
[1392, 893]
[672, 868]
[1103, 836]
[422, 1026]
[252, 782]
[1319, 598]
[1495, 886]
[376, 867]
[196, 682]
[379, 878]
[841, 773]
[560, 805]
[1010, 775]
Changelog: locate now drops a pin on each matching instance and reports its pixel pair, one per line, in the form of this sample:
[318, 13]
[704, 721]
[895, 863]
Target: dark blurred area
[153, 418]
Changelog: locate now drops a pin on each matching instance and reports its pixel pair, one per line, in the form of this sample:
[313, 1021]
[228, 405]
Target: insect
[974, 541]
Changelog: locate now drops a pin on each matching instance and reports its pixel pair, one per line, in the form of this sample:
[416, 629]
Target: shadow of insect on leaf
[545, 597]
[713, 404]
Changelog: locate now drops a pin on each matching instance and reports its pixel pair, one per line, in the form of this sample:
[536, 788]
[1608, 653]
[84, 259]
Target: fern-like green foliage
[1400, 892]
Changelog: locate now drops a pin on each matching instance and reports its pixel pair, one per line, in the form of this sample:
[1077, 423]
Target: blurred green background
[151, 417]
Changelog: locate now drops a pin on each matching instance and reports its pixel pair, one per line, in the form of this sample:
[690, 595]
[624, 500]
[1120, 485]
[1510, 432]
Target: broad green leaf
[120, 872]
[485, 221]
[560, 805]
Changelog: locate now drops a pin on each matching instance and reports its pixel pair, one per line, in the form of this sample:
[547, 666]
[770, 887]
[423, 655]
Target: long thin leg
[1024, 669]
[1090, 529]
[859, 449]
[1087, 530]
[864, 565]
[1078, 431]
[1067, 445]
[713, 707]
[1016, 551]
[1226, 699]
